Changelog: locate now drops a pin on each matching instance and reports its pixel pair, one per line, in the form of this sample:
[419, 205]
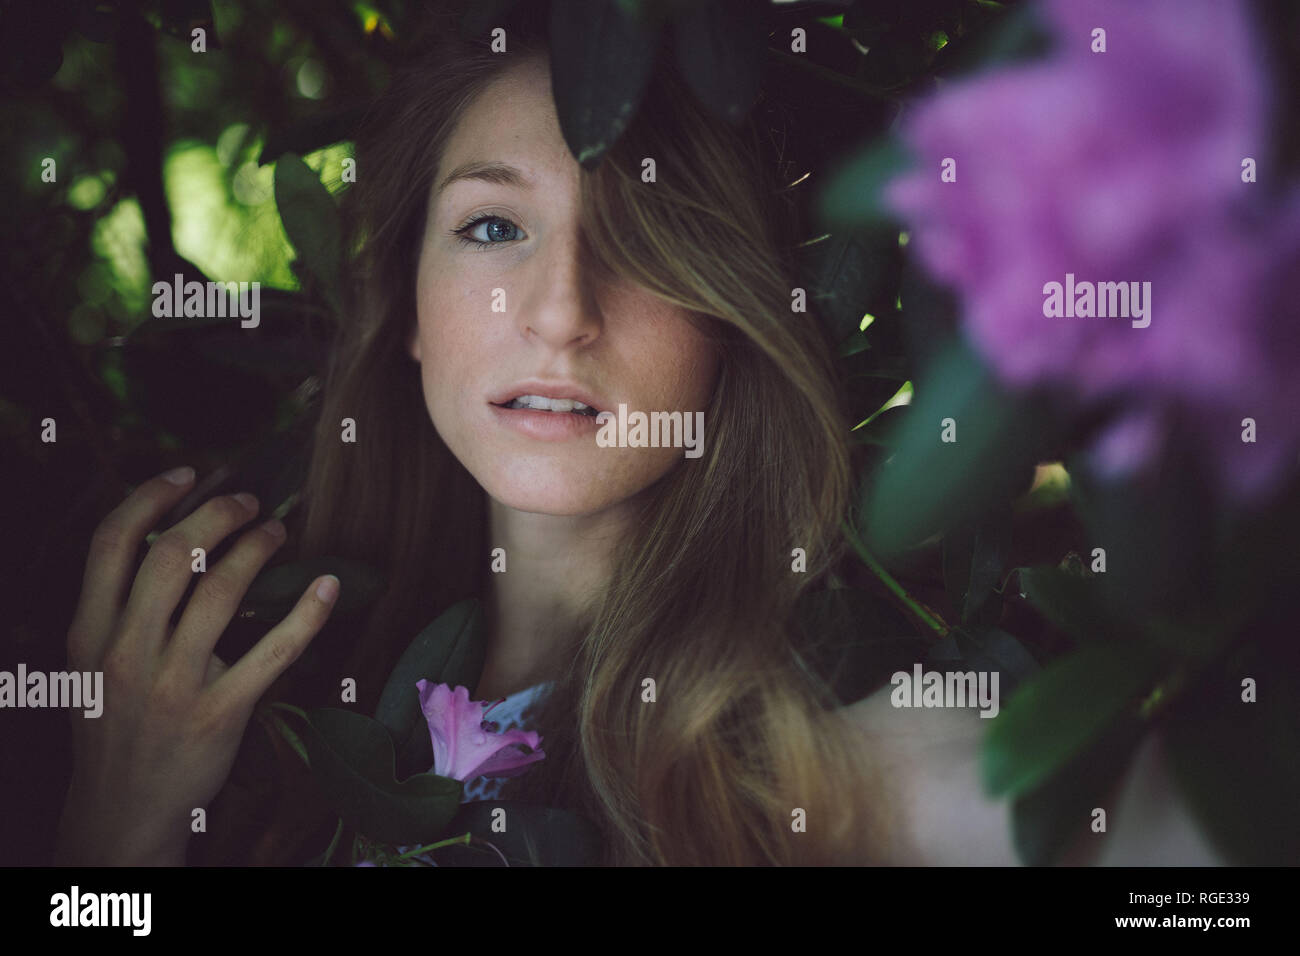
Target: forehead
[513, 120]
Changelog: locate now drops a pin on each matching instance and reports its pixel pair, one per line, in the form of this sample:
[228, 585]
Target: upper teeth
[549, 404]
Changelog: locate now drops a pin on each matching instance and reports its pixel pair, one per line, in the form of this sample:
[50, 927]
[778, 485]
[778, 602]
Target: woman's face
[526, 312]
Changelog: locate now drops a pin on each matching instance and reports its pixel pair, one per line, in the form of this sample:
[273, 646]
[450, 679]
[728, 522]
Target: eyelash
[461, 232]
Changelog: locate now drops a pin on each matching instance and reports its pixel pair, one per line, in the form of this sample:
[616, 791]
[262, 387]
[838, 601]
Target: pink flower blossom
[463, 748]
[1120, 166]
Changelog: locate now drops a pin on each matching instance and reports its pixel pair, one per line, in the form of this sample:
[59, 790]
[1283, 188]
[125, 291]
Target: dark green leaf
[719, 46]
[534, 836]
[850, 273]
[311, 133]
[275, 592]
[451, 651]
[1070, 601]
[855, 343]
[991, 545]
[352, 760]
[855, 640]
[991, 649]
[311, 221]
[865, 394]
[996, 38]
[1047, 821]
[854, 195]
[932, 485]
[883, 430]
[1236, 761]
[178, 380]
[1060, 712]
[601, 59]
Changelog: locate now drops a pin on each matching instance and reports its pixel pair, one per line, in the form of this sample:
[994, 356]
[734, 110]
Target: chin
[560, 488]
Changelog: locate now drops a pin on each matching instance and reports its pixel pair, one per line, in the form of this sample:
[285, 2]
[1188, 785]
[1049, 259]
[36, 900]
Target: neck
[555, 565]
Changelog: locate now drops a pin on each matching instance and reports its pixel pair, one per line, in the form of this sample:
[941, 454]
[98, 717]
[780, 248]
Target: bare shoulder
[927, 761]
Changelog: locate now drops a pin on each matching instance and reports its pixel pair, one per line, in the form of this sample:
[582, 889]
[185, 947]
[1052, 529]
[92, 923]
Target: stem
[463, 838]
[878, 570]
[329, 852]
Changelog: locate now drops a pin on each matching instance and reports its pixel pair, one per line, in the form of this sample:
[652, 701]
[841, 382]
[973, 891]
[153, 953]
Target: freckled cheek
[455, 337]
[686, 373]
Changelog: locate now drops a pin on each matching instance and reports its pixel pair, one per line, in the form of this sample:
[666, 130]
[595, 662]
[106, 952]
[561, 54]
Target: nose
[561, 308]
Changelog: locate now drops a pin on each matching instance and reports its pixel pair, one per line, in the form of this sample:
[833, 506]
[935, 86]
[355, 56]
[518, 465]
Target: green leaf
[172, 378]
[997, 37]
[534, 835]
[973, 560]
[1059, 712]
[884, 429]
[451, 650]
[312, 133]
[1236, 761]
[850, 273]
[601, 60]
[987, 648]
[275, 592]
[290, 737]
[1046, 821]
[719, 46]
[352, 759]
[1071, 601]
[867, 393]
[931, 485]
[854, 640]
[853, 196]
[311, 220]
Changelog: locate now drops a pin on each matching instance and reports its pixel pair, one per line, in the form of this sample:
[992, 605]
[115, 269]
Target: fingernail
[274, 528]
[328, 589]
[247, 500]
[180, 476]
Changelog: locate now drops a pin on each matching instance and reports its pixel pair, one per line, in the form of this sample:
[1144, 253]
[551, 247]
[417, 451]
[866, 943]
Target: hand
[173, 713]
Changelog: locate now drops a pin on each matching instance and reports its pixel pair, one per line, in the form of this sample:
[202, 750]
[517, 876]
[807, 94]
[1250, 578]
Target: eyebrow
[499, 174]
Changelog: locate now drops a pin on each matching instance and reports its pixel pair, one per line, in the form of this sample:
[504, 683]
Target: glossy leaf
[450, 650]
[719, 48]
[352, 760]
[1048, 820]
[855, 640]
[277, 589]
[1235, 760]
[601, 60]
[534, 836]
[854, 194]
[932, 485]
[312, 223]
[1060, 712]
[990, 649]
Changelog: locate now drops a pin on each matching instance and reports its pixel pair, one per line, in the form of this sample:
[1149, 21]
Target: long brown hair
[742, 735]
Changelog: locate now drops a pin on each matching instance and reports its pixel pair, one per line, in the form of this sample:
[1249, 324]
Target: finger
[216, 668]
[214, 603]
[110, 562]
[257, 670]
[168, 568]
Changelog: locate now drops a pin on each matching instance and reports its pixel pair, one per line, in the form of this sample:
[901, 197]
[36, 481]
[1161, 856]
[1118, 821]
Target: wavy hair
[701, 594]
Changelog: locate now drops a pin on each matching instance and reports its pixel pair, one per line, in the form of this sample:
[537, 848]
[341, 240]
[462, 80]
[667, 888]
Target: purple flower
[1125, 166]
[463, 747]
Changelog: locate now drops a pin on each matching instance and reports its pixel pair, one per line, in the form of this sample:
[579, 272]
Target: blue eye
[498, 230]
